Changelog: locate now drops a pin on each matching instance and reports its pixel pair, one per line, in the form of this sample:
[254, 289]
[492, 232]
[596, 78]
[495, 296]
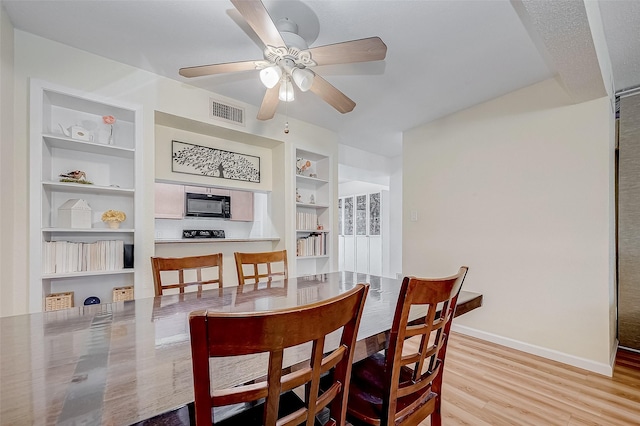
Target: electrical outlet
[414, 215]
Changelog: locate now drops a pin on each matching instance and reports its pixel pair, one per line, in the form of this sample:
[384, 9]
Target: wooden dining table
[123, 362]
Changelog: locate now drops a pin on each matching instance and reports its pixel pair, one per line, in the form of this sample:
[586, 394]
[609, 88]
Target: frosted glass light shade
[286, 91]
[270, 76]
[303, 78]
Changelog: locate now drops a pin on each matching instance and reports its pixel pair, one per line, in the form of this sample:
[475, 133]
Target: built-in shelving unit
[313, 213]
[111, 161]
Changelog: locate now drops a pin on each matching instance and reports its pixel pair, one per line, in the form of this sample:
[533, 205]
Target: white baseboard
[585, 364]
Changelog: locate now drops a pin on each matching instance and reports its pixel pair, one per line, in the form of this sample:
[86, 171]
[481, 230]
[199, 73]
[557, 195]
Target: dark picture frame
[202, 160]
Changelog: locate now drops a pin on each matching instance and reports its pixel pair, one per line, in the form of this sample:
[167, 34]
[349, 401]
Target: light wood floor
[488, 384]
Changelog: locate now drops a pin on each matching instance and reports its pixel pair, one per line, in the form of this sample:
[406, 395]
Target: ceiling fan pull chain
[286, 114]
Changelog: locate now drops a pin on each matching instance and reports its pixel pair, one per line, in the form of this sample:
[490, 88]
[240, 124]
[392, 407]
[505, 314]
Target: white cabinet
[169, 201]
[241, 206]
[108, 156]
[374, 225]
[313, 213]
[360, 226]
[346, 230]
[207, 190]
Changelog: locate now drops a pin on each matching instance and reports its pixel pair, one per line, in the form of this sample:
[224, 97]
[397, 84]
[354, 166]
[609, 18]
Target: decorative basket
[56, 301]
[121, 294]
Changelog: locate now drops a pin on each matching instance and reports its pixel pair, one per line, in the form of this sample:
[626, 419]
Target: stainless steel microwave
[207, 205]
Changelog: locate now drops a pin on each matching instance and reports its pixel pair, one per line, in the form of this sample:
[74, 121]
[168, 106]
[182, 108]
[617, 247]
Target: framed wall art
[206, 161]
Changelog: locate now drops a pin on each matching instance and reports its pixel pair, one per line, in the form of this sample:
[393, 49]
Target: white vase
[113, 224]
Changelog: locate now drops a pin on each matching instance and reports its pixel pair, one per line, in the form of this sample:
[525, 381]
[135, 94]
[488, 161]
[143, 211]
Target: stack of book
[306, 221]
[312, 245]
[63, 256]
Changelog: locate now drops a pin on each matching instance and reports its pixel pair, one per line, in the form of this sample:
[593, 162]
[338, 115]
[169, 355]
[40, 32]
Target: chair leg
[436, 417]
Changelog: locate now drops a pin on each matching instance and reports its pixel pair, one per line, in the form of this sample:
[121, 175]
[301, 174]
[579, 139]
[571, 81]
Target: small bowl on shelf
[92, 300]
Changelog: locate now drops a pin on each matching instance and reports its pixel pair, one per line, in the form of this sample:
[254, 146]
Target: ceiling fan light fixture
[303, 78]
[270, 76]
[286, 90]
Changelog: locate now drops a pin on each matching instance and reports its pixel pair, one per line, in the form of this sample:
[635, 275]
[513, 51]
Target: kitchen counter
[184, 247]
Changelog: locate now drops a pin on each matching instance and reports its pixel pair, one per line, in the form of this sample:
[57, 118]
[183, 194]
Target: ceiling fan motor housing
[295, 53]
[287, 25]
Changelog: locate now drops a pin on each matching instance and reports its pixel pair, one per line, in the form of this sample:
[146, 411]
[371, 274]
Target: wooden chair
[182, 264]
[384, 389]
[266, 259]
[221, 334]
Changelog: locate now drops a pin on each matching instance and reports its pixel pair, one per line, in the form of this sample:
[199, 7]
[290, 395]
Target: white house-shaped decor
[74, 213]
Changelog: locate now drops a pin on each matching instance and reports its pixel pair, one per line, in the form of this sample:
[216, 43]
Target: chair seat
[366, 392]
[236, 415]
[289, 403]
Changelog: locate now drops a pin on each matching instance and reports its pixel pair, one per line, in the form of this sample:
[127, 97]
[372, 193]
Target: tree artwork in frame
[206, 161]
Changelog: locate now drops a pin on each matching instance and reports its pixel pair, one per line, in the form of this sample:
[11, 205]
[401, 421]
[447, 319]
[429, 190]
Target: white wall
[36, 57]
[8, 296]
[520, 190]
[395, 217]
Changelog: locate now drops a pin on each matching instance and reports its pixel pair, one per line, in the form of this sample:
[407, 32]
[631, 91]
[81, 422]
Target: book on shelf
[312, 245]
[60, 257]
[306, 221]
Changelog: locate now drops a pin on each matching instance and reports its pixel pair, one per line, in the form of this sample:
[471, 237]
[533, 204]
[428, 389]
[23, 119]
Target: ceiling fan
[287, 60]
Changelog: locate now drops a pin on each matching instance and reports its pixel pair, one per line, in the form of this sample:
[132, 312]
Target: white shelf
[310, 179]
[312, 206]
[87, 274]
[116, 173]
[60, 141]
[86, 188]
[89, 231]
[312, 257]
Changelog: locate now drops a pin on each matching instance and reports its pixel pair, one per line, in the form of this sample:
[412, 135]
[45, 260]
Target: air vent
[226, 112]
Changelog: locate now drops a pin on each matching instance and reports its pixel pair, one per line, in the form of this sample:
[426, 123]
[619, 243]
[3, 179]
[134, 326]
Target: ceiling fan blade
[254, 12]
[331, 95]
[269, 104]
[217, 68]
[363, 50]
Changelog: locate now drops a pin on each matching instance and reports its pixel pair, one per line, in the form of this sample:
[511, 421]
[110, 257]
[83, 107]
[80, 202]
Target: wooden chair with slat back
[403, 386]
[223, 334]
[182, 264]
[260, 261]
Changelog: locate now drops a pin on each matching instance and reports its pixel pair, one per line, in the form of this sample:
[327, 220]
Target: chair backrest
[182, 264]
[427, 359]
[261, 266]
[220, 334]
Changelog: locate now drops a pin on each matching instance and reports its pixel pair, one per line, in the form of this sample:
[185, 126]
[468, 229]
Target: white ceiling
[443, 56]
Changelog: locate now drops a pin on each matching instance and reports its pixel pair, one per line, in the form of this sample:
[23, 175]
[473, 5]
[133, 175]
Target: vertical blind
[629, 222]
